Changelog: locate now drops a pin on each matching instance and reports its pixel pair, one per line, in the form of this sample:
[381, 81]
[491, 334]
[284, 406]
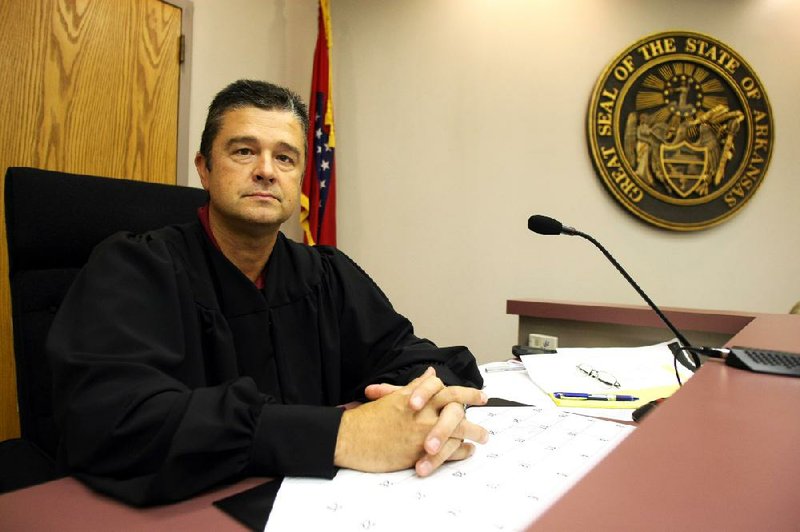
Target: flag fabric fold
[318, 199]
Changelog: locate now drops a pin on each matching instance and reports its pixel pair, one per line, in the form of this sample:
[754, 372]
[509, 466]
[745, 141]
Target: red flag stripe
[318, 201]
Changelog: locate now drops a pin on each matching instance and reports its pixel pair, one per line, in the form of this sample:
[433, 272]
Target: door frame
[184, 91]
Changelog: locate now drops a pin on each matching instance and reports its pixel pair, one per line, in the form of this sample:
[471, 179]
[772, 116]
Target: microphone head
[544, 225]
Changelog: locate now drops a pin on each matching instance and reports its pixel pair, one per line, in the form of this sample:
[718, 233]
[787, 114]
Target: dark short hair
[250, 93]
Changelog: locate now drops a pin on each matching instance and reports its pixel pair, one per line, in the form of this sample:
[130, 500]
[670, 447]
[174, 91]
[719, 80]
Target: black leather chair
[53, 221]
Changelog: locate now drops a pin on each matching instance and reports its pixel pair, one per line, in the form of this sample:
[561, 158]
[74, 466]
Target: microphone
[544, 225]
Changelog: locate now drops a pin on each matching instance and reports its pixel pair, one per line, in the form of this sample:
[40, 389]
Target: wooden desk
[721, 454]
[604, 325]
[67, 505]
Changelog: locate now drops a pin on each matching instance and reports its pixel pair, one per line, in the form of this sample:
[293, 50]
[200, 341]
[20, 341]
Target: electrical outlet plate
[542, 341]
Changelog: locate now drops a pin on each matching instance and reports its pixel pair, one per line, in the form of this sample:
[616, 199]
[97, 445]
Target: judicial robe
[173, 372]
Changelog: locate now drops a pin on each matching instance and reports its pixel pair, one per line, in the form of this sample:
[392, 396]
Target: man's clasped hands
[422, 425]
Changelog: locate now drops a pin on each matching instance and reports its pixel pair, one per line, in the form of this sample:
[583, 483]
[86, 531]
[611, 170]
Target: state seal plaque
[680, 130]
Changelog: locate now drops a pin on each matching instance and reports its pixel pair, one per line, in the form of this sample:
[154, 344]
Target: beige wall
[457, 119]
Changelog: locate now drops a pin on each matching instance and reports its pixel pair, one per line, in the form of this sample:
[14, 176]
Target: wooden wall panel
[91, 87]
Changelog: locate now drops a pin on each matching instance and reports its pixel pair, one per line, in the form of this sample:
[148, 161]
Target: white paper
[533, 456]
[513, 386]
[634, 367]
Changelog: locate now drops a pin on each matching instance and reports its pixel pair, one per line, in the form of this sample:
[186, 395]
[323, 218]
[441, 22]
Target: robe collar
[202, 213]
[295, 271]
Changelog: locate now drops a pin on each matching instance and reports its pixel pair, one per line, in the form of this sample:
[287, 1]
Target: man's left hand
[445, 440]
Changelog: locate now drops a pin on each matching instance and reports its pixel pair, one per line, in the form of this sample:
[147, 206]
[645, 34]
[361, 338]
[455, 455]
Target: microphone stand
[682, 339]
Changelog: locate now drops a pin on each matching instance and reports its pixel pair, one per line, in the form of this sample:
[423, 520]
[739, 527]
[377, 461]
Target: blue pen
[594, 396]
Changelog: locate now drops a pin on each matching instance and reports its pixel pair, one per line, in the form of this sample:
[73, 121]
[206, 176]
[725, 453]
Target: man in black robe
[205, 352]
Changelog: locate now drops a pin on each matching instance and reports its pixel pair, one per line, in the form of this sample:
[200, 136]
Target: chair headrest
[55, 219]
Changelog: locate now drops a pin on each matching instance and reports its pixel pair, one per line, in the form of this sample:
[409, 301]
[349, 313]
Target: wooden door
[87, 86]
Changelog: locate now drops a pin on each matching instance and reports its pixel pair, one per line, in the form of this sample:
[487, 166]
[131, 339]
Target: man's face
[257, 164]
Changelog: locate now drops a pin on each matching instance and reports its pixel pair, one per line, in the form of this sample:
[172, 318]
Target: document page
[533, 456]
[633, 368]
[645, 373]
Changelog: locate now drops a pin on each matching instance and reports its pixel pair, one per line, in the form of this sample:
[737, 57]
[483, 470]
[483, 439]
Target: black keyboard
[765, 361]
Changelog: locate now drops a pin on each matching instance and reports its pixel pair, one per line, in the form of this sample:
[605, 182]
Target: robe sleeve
[139, 416]
[379, 345]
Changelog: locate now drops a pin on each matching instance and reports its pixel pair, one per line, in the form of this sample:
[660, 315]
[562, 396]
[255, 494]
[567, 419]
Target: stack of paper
[644, 372]
[533, 456]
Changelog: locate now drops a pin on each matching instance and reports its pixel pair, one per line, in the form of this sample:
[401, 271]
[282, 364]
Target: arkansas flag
[318, 199]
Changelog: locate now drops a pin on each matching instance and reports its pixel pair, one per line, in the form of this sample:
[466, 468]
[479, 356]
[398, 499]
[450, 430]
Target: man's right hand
[394, 433]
